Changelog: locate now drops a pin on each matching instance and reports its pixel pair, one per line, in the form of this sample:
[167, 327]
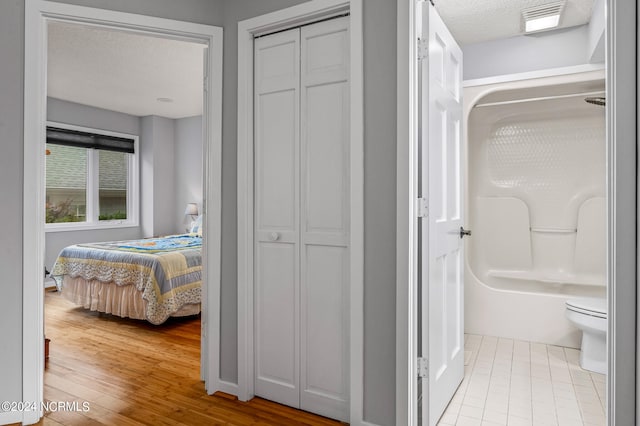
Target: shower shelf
[549, 277]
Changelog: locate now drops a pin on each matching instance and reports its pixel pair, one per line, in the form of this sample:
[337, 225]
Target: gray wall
[380, 210]
[146, 177]
[200, 11]
[11, 180]
[157, 176]
[164, 203]
[188, 167]
[552, 49]
[95, 118]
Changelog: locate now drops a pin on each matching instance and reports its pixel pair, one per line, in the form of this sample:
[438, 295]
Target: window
[91, 179]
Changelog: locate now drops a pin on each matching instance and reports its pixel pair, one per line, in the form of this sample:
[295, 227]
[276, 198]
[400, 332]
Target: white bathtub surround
[513, 382]
[536, 205]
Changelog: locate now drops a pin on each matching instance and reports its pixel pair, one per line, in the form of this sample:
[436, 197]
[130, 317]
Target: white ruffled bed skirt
[124, 301]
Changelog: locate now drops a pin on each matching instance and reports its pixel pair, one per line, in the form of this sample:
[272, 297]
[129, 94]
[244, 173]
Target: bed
[151, 279]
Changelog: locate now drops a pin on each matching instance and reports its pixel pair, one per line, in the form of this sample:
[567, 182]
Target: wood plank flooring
[133, 373]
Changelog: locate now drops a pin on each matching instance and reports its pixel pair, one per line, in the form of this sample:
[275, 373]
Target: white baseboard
[9, 417]
[363, 423]
[228, 387]
[49, 282]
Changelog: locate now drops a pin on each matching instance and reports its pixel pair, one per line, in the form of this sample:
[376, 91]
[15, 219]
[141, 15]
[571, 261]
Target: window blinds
[89, 140]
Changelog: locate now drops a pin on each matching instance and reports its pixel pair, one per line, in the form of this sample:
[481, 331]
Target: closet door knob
[274, 236]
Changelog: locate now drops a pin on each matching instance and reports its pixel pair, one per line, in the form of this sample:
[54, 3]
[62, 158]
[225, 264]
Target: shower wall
[536, 205]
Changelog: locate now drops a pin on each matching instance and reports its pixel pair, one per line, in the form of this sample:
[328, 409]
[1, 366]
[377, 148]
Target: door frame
[406, 219]
[304, 13]
[37, 13]
[622, 190]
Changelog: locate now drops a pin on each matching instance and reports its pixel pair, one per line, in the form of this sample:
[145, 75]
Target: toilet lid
[596, 307]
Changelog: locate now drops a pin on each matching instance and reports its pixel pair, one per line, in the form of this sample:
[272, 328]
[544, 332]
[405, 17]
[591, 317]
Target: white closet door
[324, 168]
[277, 252]
[302, 218]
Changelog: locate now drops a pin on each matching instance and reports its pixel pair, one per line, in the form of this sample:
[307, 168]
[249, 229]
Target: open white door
[441, 244]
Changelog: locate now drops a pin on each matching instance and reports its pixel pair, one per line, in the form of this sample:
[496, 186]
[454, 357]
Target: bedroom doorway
[39, 16]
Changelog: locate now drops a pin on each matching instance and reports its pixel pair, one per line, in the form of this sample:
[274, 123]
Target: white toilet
[590, 316]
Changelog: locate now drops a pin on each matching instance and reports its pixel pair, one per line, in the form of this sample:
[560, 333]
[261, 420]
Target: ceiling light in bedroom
[543, 17]
[165, 100]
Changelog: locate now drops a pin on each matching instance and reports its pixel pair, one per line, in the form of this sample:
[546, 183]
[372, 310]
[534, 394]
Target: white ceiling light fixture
[542, 17]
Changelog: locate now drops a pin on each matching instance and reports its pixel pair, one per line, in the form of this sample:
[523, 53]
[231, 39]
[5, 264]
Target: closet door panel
[276, 315]
[325, 350]
[324, 175]
[277, 248]
[277, 59]
[325, 56]
[326, 156]
[276, 162]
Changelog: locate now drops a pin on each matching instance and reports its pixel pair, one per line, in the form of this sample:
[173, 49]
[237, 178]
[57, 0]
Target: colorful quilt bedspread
[168, 270]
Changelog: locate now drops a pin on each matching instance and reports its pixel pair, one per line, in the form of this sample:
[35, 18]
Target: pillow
[196, 228]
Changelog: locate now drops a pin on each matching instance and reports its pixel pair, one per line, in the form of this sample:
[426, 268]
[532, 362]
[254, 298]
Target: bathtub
[535, 202]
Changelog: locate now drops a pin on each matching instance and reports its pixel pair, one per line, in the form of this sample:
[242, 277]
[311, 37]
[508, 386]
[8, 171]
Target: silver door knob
[274, 236]
[464, 232]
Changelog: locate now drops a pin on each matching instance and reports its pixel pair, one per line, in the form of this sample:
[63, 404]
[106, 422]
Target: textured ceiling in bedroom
[474, 21]
[124, 72]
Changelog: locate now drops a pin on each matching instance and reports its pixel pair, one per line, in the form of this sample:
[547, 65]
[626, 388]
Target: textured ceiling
[127, 72]
[124, 72]
[474, 21]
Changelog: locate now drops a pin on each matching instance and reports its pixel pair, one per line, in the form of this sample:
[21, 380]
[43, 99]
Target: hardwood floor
[131, 373]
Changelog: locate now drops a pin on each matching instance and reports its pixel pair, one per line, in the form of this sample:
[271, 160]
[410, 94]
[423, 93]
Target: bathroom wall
[541, 51]
[575, 46]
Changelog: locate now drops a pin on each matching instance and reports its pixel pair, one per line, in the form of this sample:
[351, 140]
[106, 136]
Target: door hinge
[423, 367]
[423, 207]
[423, 49]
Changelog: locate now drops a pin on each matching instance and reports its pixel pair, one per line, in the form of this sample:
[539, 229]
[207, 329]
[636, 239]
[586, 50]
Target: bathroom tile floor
[512, 382]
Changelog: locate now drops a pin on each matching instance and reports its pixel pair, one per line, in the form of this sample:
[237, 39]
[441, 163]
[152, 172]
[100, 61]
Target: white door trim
[287, 18]
[406, 219]
[622, 211]
[37, 13]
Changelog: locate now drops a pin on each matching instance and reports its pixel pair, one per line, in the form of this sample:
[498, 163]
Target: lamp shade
[192, 209]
